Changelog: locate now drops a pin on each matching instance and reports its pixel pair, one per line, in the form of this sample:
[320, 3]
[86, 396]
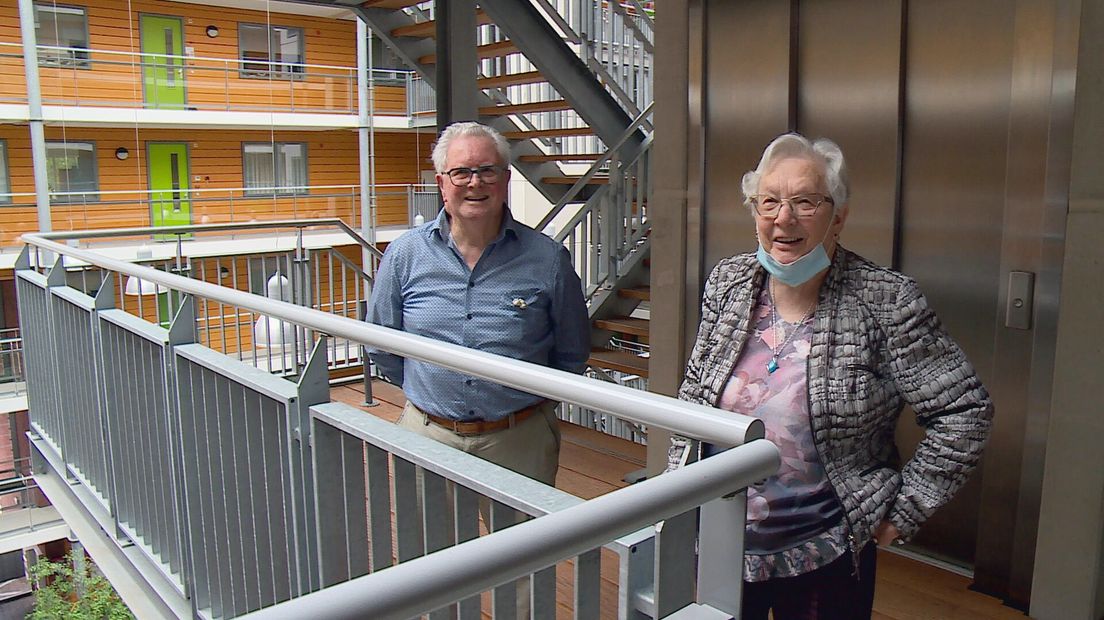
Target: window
[274, 168]
[71, 171]
[270, 51]
[5, 178]
[61, 27]
[382, 60]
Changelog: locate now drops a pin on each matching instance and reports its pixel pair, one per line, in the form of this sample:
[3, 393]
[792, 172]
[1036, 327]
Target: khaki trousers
[532, 448]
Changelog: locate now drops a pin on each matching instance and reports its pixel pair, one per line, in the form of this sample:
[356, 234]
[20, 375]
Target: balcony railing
[395, 205]
[109, 78]
[13, 378]
[221, 490]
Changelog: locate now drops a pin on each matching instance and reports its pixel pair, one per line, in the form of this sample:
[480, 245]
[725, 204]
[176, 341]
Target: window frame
[295, 71]
[276, 185]
[5, 174]
[83, 197]
[77, 60]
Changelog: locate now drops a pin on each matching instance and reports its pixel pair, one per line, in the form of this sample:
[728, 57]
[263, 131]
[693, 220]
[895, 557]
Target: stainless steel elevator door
[958, 80]
[917, 95]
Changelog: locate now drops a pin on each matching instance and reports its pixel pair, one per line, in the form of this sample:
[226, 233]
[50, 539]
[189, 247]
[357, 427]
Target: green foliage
[65, 592]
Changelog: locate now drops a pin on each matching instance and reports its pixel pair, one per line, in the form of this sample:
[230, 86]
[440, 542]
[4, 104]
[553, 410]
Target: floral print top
[794, 520]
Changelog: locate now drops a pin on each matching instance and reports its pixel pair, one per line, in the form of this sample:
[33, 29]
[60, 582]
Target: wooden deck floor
[592, 464]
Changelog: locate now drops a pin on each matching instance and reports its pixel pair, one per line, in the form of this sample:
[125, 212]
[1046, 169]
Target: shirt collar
[440, 226]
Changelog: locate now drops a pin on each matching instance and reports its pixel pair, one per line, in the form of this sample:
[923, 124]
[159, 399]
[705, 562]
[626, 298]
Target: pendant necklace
[772, 365]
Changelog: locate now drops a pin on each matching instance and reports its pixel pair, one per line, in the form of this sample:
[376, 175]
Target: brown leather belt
[482, 427]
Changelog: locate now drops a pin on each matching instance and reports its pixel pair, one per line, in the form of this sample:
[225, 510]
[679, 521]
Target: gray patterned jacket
[876, 347]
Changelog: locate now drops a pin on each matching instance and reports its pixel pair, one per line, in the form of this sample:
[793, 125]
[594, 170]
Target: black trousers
[831, 592]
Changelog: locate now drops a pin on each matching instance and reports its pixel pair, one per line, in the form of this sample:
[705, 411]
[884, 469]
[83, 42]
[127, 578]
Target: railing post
[369, 400]
[721, 553]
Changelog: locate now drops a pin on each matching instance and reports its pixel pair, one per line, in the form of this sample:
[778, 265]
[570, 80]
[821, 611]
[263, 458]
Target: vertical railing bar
[588, 579]
[227, 489]
[221, 310]
[504, 597]
[212, 541]
[272, 439]
[408, 523]
[258, 545]
[193, 491]
[152, 452]
[202, 316]
[276, 417]
[237, 311]
[379, 507]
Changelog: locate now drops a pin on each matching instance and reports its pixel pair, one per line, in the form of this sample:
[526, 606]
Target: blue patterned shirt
[523, 300]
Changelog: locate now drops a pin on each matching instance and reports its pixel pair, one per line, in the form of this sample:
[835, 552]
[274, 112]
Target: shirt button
[469, 316]
[468, 381]
[471, 284]
[471, 411]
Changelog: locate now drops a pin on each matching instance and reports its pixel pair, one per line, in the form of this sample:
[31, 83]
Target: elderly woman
[826, 348]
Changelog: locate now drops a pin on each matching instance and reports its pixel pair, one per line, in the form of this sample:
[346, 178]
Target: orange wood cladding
[116, 80]
[215, 158]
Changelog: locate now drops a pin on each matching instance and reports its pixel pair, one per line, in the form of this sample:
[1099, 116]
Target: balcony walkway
[592, 464]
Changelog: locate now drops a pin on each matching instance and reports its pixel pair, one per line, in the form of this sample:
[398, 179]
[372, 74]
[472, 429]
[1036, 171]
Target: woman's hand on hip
[886, 533]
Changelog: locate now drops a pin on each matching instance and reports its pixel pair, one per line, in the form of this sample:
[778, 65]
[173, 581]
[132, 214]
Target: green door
[162, 65]
[170, 199]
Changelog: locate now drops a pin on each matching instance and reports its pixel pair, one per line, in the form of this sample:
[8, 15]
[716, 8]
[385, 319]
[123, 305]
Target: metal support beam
[456, 62]
[34, 109]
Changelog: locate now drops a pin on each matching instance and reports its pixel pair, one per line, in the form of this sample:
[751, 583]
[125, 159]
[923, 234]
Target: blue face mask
[801, 270]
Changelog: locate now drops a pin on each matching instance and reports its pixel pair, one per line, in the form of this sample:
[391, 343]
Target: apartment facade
[166, 113]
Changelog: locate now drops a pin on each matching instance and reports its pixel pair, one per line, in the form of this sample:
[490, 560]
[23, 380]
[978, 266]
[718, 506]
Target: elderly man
[477, 278]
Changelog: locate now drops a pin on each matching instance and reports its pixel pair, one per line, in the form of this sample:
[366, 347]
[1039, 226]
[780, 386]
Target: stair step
[621, 361]
[549, 133]
[643, 293]
[490, 50]
[511, 79]
[571, 180]
[561, 157]
[525, 108]
[389, 4]
[624, 325]
[429, 28]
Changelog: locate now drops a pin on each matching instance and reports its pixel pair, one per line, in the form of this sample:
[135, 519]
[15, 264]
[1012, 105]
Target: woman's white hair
[822, 151]
[468, 129]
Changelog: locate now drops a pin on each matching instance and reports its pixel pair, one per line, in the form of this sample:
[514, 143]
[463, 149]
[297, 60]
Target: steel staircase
[568, 83]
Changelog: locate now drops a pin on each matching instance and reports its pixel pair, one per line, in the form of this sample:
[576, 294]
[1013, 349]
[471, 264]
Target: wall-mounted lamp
[121, 153]
[212, 31]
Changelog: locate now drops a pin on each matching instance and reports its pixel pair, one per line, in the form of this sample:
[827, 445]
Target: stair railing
[613, 222]
[615, 40]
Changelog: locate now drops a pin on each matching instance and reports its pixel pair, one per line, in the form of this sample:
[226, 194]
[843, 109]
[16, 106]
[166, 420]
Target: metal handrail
[410, 588]
[686, 419]
[198, 228]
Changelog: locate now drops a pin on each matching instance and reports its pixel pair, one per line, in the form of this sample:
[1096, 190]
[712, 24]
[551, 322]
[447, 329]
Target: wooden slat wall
[329, 42]
[13, 82]
[215, 157]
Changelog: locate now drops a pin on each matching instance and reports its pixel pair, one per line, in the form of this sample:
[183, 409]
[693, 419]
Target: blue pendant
[772, 366]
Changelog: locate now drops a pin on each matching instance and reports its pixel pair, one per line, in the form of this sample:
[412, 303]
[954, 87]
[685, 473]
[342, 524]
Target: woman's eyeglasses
[805, 205]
